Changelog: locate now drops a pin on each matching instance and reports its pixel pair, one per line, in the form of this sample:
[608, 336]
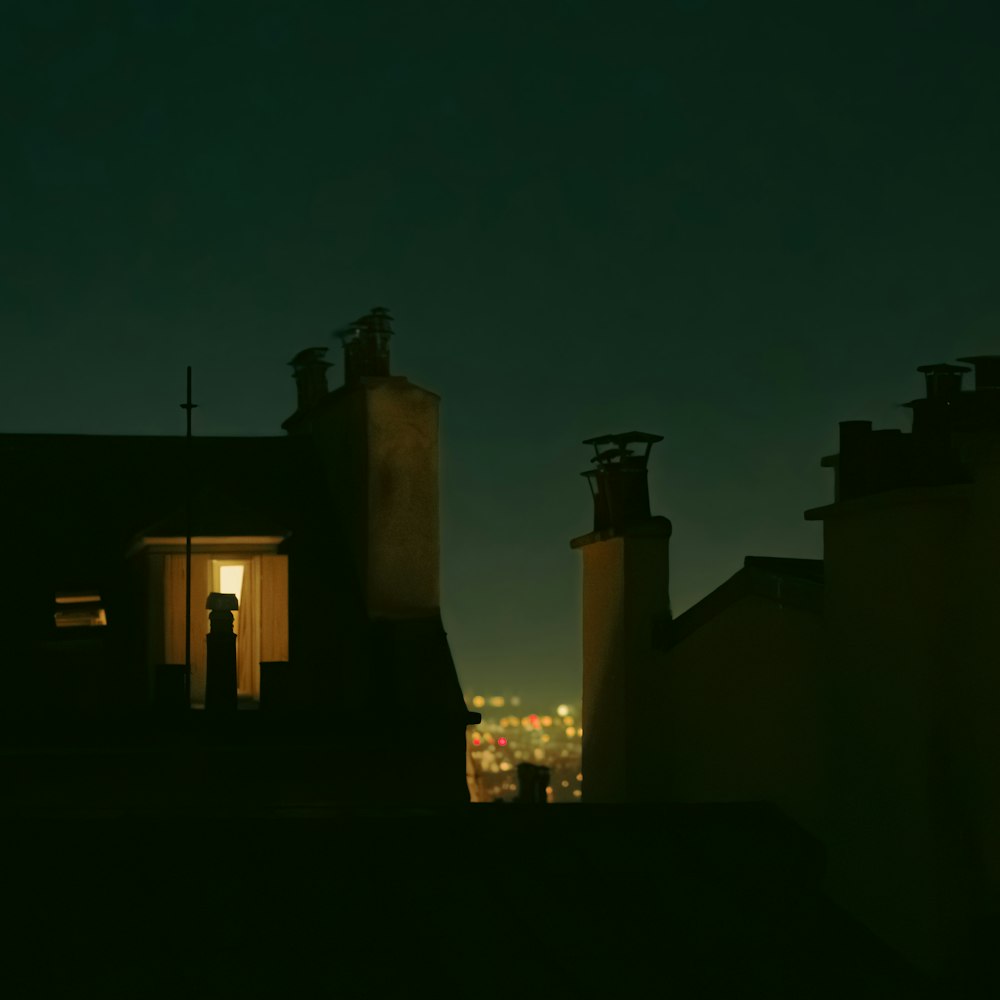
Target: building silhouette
[859, 693]
[327, 537]
[155, 847]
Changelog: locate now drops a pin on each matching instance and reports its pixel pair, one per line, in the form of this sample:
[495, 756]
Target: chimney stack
[377, 437]
[309, 372]
[626, 576]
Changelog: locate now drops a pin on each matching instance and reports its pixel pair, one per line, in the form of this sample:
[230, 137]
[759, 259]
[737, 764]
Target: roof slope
[79, 500]
[794, 582]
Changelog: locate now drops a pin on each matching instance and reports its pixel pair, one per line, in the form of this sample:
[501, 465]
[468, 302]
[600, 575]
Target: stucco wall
[379, 442]
[403, 528]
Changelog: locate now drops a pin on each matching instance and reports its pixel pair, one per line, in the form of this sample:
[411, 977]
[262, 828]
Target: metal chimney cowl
[619, 480]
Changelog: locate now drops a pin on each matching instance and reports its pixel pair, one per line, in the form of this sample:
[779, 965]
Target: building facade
[328, 539]
[858, 692]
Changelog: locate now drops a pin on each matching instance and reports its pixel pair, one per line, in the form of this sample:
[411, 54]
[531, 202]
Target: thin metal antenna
[189, 406]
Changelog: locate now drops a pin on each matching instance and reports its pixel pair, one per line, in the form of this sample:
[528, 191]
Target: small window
[79, 609]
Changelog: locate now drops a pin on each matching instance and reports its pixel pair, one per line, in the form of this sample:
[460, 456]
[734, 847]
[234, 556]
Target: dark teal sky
[730, 224]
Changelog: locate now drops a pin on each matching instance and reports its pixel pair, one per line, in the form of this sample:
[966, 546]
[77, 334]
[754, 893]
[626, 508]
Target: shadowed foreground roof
[547, 900]
[81, 499]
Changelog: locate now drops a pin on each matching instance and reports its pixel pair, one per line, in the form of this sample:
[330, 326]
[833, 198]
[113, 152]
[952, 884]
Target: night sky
[730, 224]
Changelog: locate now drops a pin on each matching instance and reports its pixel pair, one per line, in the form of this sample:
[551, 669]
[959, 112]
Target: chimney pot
[619, 481]
[366, 346]
[943, 381]
[987, 370]
[309, 372]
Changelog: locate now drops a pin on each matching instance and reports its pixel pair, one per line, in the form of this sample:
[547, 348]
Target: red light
[475, 741]
[534, 718]
[502, 741]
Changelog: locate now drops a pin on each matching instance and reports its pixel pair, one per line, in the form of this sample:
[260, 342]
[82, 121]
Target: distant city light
[577, 793]
[515, 701]
[579, 777]
[476, 741]
[502, 741]
[570, 731]
[479, 701]
[546, 720]
[568, 720]
[496, 701]
[562, 710]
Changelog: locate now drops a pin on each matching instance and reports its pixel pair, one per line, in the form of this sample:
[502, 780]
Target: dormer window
[79, 609]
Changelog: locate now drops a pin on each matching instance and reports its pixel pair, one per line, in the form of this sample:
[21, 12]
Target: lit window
[79, 609]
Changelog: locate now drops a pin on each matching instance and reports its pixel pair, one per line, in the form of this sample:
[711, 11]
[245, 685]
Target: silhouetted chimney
[619, 483]
[309, 372]
[987, 370]
[626, 598]
[853, 430]
[366, 346]
[944, 382]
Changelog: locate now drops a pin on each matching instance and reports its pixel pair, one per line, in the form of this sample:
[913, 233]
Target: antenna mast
[189, 406]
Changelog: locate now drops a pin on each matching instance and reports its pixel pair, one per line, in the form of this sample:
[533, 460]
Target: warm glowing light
[570, 731]
[506, 765]
[488, 737]
[564, 783]
[539, 753]
[568, 720]
[504, 723]
[579, 777]
[562, 710]
[546, 737]
[515, 701]
[496, 701]
[514, 721]
[548, 790]
[577, 793]
[502, 741]
[476, 741]
[479, 701]
[546, 720]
